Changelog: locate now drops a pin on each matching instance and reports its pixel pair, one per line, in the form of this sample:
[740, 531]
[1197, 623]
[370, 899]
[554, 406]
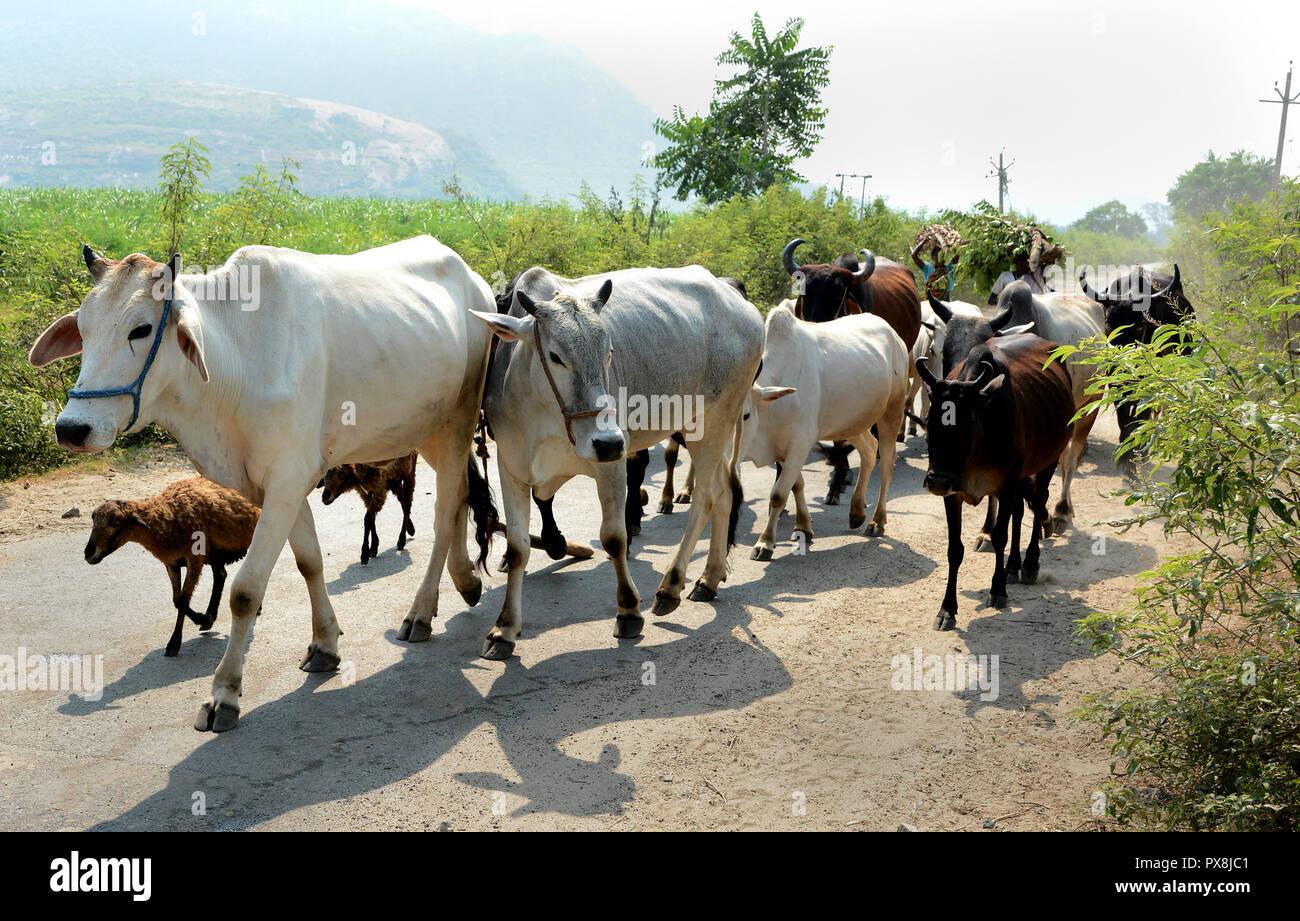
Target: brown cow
[997, 425]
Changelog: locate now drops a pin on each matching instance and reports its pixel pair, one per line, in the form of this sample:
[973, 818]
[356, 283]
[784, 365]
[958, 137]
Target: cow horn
[986, 369]
[787, 255]
[1089, 291]
[868, 266]
[927, 376]
[1002, 318]
[1173, 285]
[939, 307]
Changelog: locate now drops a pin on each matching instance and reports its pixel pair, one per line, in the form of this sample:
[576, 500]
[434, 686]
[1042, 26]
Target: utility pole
[1000, 170]
[841, 178]
[864, 177]
[1286, 100]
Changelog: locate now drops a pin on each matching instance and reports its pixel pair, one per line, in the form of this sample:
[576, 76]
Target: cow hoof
[171, 651]
[414, 631]
[875, 529]
[855, 521]
[496, 649]
[1013, 577]
[997, 601]
[318, 660]
[664, 604]
[1060, 525]
[831, 500]
[666, 507]
[645, 497]
[1029, 577]
[983, 543]
[683, 498]
[221, 718]
[504, 566]
[209, 622]
[761, 553]
[628, 626]
[702, 592]
[472, 596]
[633, 530]
[946, 620]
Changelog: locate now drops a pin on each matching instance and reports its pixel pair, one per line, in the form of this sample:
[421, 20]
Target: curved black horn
[1089, 291]
[1173, 285]
[1002, 318]
[89, 255]
[986, 372]
[787, 255]
[939, 307]
[867, 267]
[927, 376]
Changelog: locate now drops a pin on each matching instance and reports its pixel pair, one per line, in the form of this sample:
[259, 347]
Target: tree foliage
[1214, 184]
[184, 168]
[762, 119]
[1113, 218]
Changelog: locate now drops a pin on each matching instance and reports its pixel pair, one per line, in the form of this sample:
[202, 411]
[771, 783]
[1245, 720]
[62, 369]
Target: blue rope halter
[135, 388]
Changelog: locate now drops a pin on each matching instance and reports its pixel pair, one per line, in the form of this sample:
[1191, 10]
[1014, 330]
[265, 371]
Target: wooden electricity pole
[1286, 100]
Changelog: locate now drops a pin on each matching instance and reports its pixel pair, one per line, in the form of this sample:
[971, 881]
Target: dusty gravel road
[770, 708]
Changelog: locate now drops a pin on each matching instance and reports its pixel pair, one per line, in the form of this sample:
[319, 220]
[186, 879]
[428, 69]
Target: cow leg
[670, 461]
[925, 411]
[684, 497]
[552, 539]
[947, 616]
[715, 566]
[892, 421]
[984, 541]
[1006, 507]
[450, 462]
[1024, 493]
[323, 653]
[500, 642]
[1063, 514]
[707, 460]
[802, 517]
[867, 448]
[1038, 503]
[787, 475]
[214, 598]
[913, 385]
[284, 510]
[632, 508]
[612, 489]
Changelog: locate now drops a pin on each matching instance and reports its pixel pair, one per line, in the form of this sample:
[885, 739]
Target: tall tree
[1113, 218]
[762, 119]
[1216, 182]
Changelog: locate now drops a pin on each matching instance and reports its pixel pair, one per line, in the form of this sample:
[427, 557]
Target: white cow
[929, 349]
[574, 352]
[345, 359]
[831, 380]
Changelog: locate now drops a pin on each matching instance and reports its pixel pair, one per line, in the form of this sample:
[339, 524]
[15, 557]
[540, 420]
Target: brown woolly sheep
[373, 482]
[188, 524]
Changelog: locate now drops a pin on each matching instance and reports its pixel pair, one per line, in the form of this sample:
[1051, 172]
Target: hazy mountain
[519, 114]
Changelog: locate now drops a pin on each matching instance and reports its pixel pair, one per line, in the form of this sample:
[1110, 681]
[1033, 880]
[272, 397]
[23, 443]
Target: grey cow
[595, 368]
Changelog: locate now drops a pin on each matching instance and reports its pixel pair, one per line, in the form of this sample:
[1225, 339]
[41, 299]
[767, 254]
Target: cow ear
[769, 394]
[526, 302]
[602, 296]
[928, 325]
[189, 336]
[61, 340]
[993, 386]
[506, 327]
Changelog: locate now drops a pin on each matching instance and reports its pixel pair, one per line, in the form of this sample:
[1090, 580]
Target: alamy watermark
[970, 672]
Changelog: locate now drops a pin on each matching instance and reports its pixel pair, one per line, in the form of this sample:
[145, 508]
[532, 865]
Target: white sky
[1092, 102]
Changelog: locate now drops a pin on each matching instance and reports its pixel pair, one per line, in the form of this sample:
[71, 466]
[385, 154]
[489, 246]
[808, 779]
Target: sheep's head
[339, 480]
[111, 527]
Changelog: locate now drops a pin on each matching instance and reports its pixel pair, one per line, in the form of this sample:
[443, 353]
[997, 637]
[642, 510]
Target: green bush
[1212, 739]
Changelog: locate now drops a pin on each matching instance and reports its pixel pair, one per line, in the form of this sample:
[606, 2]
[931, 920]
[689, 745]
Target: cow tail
[486, 517]
[737, 492]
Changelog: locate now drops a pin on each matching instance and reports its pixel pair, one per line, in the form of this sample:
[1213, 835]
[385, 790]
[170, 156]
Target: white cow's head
[114, 330]
[756, 429]
[573, 350]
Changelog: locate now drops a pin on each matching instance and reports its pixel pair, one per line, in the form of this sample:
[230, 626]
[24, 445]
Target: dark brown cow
[997, 425]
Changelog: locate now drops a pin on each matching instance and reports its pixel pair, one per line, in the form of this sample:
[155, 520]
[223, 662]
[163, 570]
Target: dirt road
[770, 708]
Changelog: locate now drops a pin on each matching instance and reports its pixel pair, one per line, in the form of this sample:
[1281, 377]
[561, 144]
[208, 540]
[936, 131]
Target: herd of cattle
[403, 348]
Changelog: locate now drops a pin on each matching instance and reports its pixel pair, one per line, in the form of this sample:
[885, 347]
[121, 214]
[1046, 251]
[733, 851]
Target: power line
[1286, 100]
[864, 177]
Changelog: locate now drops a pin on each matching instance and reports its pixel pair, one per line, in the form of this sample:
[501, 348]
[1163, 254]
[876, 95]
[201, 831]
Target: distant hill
[115, 136]
[534, 117]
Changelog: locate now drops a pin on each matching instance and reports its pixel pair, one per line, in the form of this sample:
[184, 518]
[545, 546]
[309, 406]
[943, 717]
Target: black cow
[1136, 306]
[997, 425]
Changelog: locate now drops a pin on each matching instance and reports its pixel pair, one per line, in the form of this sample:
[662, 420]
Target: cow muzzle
[940, 483]
[608, 447]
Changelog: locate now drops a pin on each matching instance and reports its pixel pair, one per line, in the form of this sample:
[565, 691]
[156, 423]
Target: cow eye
[140, 331]
[746, 419]
[556, 358]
